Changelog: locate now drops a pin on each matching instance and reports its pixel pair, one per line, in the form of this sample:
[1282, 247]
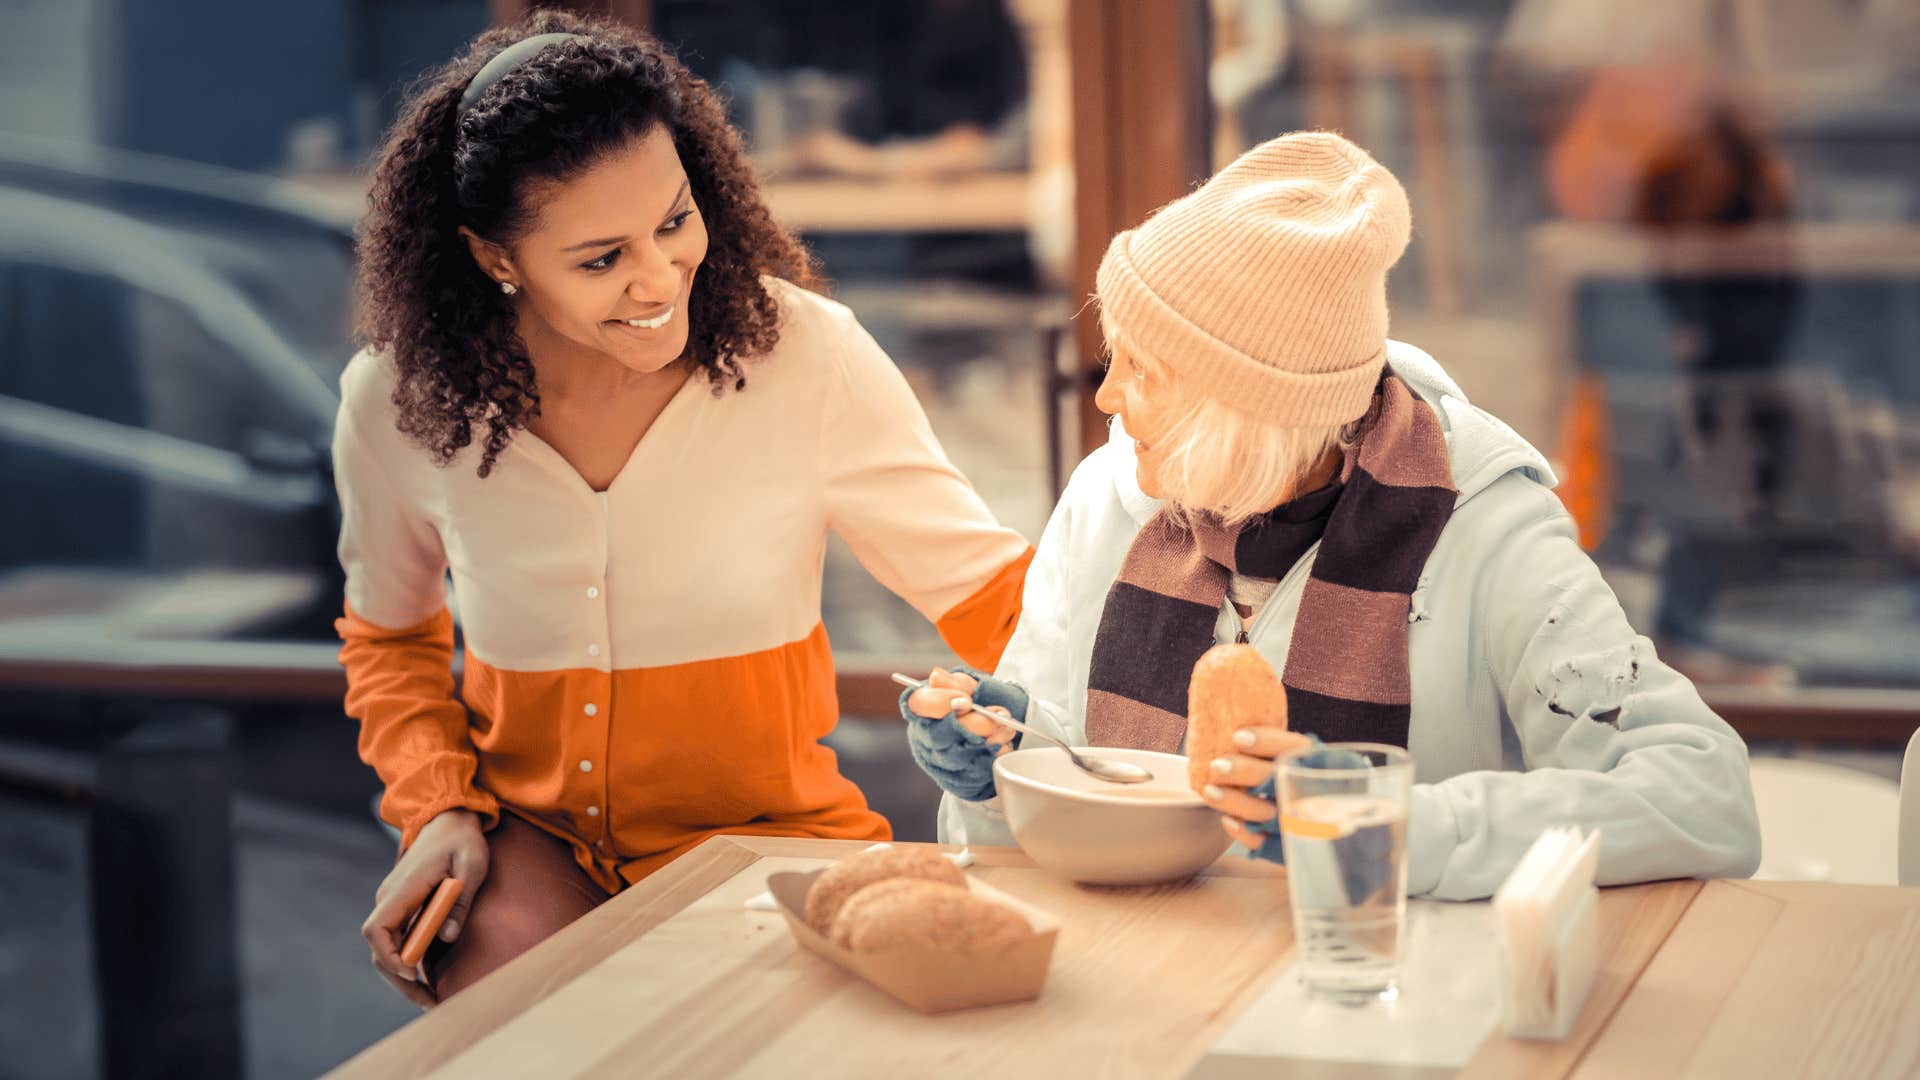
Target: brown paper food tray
[933, 980]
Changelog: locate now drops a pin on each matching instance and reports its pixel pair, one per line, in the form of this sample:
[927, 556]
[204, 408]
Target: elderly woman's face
[1139, 401]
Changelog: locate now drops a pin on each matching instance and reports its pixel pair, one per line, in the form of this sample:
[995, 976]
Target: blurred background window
[1677, 247]
[921, 150]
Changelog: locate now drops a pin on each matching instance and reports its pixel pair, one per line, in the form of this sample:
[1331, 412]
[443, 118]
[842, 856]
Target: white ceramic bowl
[1107, 834]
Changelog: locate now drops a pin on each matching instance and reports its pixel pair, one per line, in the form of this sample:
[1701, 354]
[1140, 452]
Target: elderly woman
[1280, 473]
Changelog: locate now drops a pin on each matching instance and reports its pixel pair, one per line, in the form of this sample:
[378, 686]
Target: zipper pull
[1242, 639]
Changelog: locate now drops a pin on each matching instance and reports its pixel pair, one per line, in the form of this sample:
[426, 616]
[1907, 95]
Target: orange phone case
[427, 923]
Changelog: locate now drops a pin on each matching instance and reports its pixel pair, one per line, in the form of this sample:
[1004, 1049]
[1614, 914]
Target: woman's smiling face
[609, 262]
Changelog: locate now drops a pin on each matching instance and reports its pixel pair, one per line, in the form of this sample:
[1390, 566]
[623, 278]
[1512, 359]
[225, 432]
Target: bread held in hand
[1232, 687]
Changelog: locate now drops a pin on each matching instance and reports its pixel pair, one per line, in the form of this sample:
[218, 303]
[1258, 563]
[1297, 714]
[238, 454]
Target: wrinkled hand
[951, 691]
[451, 845]
[1252, 767]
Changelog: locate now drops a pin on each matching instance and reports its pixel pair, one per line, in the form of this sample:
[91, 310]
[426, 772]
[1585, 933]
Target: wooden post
[1140, 138]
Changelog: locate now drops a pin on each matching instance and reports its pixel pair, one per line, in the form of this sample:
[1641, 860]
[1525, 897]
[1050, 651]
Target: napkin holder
[1547, 919]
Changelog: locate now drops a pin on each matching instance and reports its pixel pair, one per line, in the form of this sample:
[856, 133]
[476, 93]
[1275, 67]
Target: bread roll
[914, 912]
[855, 872]
[1233, 687]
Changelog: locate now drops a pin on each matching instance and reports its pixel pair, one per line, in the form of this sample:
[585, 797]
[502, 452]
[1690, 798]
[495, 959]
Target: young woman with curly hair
[599, 394]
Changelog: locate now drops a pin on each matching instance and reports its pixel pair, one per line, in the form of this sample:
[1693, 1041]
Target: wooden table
[674, 978]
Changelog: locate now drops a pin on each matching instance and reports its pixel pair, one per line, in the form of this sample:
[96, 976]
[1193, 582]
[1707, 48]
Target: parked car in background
[170, 341]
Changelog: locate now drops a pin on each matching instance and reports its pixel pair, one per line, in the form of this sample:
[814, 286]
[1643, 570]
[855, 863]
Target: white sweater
[1534, 702]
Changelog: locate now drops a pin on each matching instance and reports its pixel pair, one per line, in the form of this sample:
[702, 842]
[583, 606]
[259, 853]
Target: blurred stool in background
[1821, 822]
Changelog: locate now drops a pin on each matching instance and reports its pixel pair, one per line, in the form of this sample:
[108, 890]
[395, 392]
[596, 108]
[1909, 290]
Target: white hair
[1218, 460]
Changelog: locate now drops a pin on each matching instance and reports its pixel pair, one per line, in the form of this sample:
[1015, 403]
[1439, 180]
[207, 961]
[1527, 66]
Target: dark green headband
[505, 61]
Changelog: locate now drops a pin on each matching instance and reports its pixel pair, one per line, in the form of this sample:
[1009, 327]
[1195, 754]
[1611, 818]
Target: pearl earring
[508, 288]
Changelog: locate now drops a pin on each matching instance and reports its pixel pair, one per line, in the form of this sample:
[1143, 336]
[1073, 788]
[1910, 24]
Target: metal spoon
[1114, 772]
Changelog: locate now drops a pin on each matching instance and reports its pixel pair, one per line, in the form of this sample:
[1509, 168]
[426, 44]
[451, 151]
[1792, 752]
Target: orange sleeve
[977, 628]
[412, 729]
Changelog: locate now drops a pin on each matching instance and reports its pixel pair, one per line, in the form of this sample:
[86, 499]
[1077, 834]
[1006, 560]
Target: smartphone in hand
[427, 923]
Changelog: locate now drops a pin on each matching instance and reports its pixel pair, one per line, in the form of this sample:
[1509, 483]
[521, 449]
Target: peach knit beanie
[1267, 286]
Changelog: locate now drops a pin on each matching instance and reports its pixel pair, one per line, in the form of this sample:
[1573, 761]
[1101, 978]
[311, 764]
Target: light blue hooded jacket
[1534, 702]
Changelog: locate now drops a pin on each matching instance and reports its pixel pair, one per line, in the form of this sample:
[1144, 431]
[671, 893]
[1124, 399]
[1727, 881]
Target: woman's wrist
[455, 819]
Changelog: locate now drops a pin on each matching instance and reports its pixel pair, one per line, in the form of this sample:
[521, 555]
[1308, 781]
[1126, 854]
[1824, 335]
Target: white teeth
[654, 323]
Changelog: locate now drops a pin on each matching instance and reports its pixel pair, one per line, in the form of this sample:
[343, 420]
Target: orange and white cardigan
[646, 667]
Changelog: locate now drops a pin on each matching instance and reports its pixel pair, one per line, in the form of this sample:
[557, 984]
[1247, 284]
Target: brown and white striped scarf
[1347, 675]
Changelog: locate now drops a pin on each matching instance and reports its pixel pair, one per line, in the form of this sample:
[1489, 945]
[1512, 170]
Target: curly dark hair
[422, 299]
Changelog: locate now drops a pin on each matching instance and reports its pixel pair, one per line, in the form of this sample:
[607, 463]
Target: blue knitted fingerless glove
[1268, 831]
[1271, 848]
[957, 759]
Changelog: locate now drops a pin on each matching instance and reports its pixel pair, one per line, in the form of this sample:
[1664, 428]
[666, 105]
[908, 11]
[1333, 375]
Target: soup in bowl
[1089, 830]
